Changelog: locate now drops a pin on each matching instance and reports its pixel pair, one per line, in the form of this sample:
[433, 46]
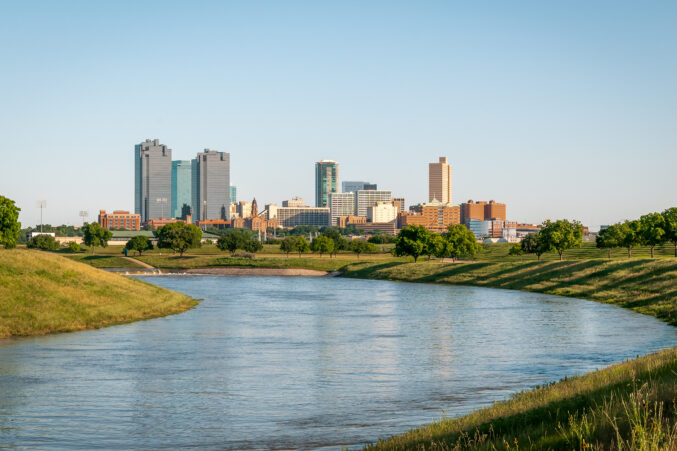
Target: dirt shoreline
[235, 271]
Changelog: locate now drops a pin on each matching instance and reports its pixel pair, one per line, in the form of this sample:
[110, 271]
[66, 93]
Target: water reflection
[302, 363]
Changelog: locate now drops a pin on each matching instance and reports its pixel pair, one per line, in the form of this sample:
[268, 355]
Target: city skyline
[554, 124]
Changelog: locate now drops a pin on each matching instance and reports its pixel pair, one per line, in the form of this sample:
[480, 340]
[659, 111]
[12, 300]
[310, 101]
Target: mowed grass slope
[647, 286]
[42, 293]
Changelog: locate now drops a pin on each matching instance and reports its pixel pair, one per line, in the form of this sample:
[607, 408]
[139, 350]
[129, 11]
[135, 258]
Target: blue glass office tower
[181, 186]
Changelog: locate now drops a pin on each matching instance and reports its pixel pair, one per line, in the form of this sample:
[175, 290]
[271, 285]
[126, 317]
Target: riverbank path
[139, 262]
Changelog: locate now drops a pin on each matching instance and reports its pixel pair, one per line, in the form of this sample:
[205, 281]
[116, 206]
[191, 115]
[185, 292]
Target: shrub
[46, 242]
[73, 247]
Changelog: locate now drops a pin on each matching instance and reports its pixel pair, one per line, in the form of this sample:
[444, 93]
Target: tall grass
[42, 292]
[628, 406]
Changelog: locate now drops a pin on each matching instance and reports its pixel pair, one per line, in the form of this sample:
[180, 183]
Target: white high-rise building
[341, 204]
[369, 198]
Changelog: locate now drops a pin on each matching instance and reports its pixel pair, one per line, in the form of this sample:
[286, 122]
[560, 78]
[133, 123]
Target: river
[296, 362]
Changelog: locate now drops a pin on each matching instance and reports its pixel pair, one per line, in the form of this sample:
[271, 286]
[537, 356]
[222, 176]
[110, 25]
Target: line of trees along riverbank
[650, 230]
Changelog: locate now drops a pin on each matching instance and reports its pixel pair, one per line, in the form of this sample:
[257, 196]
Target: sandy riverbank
[234, 271]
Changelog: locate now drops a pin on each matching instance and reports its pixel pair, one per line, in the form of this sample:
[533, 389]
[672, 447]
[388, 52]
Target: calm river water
[279, 363]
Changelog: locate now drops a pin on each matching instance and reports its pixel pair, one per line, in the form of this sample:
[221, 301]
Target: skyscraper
[211, 185]
[326, 181]
[233, 194]
[439, 181]
[181, 186]
[152, 180]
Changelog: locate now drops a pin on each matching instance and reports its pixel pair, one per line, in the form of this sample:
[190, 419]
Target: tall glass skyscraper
[181, 186]
[326, 181]
[152, 180]
[211, 185]
[233, 194]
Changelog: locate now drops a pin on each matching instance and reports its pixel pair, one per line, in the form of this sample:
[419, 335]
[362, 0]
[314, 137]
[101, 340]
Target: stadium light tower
[41, 204]
[84, 214]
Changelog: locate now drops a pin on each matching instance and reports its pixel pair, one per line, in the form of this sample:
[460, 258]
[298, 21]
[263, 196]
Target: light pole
[83, 214]
[41, 204]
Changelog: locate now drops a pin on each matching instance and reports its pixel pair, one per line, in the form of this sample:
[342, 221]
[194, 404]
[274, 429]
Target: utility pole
[41, 204]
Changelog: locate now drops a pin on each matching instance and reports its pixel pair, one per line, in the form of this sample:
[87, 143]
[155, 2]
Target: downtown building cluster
[198, 191]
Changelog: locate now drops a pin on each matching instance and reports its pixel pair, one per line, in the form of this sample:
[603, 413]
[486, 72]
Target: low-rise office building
[290, 217]
[119, 219]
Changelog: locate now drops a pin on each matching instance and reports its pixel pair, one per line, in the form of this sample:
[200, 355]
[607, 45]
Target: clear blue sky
[559, 109]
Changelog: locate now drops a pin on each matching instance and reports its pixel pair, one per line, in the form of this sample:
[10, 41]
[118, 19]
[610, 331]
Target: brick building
[482, 211]
[119, 219]
[434, 216]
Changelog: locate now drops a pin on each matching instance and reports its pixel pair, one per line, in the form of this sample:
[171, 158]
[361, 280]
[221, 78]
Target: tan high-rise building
[439, 181]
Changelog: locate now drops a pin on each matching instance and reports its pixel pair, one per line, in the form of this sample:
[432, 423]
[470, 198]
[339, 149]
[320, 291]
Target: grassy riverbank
[647, 286]
[630, 405]
[42, 293]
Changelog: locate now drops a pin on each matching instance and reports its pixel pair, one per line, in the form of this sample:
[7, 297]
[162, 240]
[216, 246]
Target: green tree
[73, 247]
[9, 222]
[459, 240]
[411, 241]
[561, 235]
[302, 245]
[670, 220]
[629, 235]
[139, 243]
[340, 242]
[232, 240]
[322, 245]
[516, 250]
[434, 245]
[95, 235]
[652, 230]
[609, 238]
[253, 246]
[45, 242]
[381, 238]
[533, 243]
[360, 246]
[179, 237]
[288, 245]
